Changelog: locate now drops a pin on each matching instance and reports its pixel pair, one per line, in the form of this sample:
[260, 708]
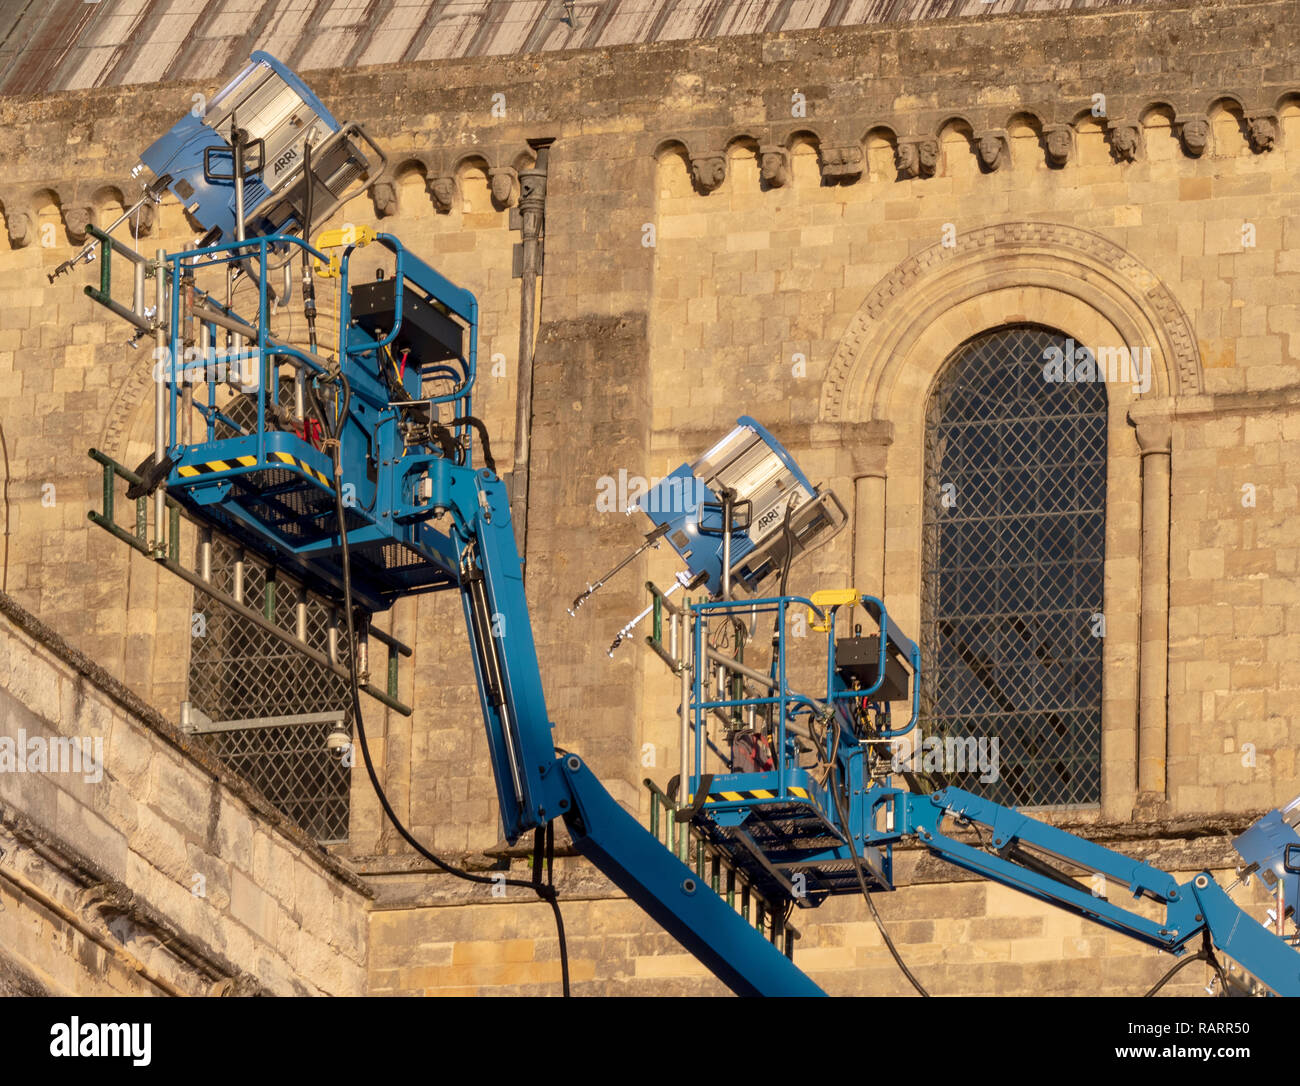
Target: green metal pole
[174, 533]
[108, 491]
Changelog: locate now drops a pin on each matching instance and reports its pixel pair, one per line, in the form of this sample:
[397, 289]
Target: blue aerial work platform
[359, 469]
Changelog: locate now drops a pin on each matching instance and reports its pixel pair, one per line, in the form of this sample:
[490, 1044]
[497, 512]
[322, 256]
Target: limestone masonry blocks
[708, 253]
[916, 155]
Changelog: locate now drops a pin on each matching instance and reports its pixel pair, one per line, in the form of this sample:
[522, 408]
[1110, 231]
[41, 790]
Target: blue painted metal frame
[534, 786]
[1190, 908]
[671, 893]
[789, 704]
[775, 788]
[384, 501]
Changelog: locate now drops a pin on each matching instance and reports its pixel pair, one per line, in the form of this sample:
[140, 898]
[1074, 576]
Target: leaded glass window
[1014, 547]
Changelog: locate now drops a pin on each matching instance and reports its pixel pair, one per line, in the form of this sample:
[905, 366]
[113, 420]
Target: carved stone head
[917, 158]
[841, 165]
[772, 161]
[907, 160]
[502, 181]
[78, 220]
[443, 191]
[1058, 145]
[929, 156]
[142, 221]
[19, 224]
[384, 194]
[1262, 131]
[1195, 135]
[1124, 138]
[990, 149]
[709, 171]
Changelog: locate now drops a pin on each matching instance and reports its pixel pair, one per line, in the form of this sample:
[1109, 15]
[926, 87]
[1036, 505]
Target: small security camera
[339, 738]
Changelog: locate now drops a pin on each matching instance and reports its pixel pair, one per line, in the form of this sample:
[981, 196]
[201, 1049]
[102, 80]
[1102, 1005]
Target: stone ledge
[1190, 843]
[112, 898]
[128, 700]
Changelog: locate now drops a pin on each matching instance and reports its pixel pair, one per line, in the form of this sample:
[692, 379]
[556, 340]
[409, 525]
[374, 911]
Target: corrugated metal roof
[57, 45]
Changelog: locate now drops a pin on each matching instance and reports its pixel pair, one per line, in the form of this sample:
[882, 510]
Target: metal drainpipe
[532, 215]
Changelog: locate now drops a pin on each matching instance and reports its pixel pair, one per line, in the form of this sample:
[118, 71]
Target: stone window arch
[874, 394]
[1013, 561]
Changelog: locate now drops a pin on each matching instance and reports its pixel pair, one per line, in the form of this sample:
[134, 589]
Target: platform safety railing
[756, 697]
[714, 870]
[288, 625]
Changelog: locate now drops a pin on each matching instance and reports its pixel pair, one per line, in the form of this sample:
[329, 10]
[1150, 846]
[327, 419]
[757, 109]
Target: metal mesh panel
[1014, 542]
[239, 672]
[291, 767]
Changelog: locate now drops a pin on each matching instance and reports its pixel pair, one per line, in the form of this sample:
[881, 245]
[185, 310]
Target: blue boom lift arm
[269, 447]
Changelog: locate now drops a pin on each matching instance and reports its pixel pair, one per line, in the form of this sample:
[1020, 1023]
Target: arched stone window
[1012, 571]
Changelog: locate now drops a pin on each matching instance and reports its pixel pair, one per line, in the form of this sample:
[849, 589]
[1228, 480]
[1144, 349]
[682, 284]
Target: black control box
[859, 658]
[426, 331]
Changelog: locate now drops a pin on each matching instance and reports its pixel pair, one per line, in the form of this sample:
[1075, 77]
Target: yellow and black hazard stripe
[194, 471]
[286, 458]
[758, 793]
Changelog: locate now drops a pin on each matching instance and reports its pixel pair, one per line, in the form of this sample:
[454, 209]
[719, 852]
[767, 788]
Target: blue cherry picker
[351, 465]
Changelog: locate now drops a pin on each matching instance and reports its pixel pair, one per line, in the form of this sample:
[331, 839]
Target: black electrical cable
[1205, 954]
[836, 786]
[785, 573]
[546, 892]
[308, 283]
[789, 546]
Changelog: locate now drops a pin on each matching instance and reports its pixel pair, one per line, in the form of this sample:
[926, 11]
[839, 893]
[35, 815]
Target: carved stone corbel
[991, 147]
[1125, 141]
[239, 986]
[384, 196]
[708, 171]
[503, 180]
[917, 157]
[1059, 141]
[774, 163]
[143, 221]
[21, 226]
[841, 165]
[77, 220]
[929, 156]
[443, 190]
[106, 900]
[1262, 129]
[1193, 133]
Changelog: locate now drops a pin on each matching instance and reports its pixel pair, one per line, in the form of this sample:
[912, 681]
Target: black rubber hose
[547, 893]
[482, 436]
[308, 286]
[836, 784]
[1205, 954]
